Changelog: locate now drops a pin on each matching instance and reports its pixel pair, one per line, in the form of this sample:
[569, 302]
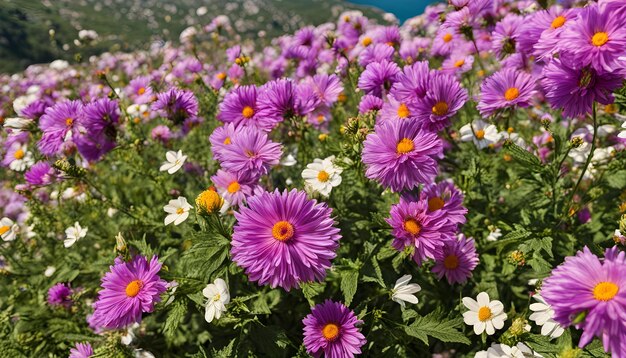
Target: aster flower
[217, 298]
[543, 315]
[221, 138]
[97, 128]
[327, 87]
[504, 89]
[277, 99]
[401, 156]
[175, 161]
[240, 108]
[128, 290]
[57, 125]
[322, 175]
[584, 284]
[413, 226]
[139, 90]
[376, 53]
[457, 260]
[378, 77]
[234, 187]
[551, 25]
[403, 291]
[81, 350]
[457, 63]
[331, 328]
[412, 82]
[394, 110]
[505, 35]
[284, 239]
[161, 133]
[370, 103]
[443, 99]
[447, 198]
[483, 314]
[177, 211]
[73, 234]
[481, 133]
[177, 105]
[59, 295]
[597, 37]
[251, 151]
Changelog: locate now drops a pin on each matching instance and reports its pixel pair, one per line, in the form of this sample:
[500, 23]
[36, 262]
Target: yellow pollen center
[330, 331]
[435, 203]
[451, 262]
[133, 288]
[323, 176]
[367, 41]
[447, 37]
[484, 313]
[179, 211]
[69, 122]
[4, 229]
[600, 38]
[320, 118]
[480, 134]
[233, 187]
[412, 226]
[282, 231]
[217, 297]
[221, 76]
[227, 140]
[247, 112]
[405, 146]
[403, 111]
[459, 63]
[558, 22]
[440, 108]
[141, 91]
[19, 154]
[605, 291]
[511, 94]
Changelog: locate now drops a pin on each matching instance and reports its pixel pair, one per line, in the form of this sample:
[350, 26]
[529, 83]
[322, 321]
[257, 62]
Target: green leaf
[175, 316]
[225, 352]
[312, 289]
[349, 282]
[522, 155]
[436, 326]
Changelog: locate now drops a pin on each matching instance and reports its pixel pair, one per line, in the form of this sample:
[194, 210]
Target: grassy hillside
[128, 24]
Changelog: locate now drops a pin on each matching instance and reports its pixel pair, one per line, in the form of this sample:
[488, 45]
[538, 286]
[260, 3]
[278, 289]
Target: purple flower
[177, 105]
[250, 151]
[327, 87]
[504, 89]
[57, 125]
[40, 174]
[307, 99]
[584, 284]
[129, 289]
[370, 103]
[97, 128]
[457, 260]
[395, 111]
[400, 155]
[221, 138]
[412, 82]
[447, 198]
[574, 90]
[444, 98]
[139, 90]
[81, 350]
[277, 99]
[59, 295]
[240, 108]
[284, 239]
[331, 328]
[378, 77]
[595, 38]
[36, 109]
[376, 53]
[161, 133]
[505, 35]
[234, 187]
[413, 225]
[457, 63]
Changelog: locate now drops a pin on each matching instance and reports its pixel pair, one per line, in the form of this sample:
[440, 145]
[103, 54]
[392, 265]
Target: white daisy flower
[481, 133]
[543, 315]
[177, 210]
[138, 111]
[50, 270]
[175, 161]
[504, 351]
[404, 291]
[8, 229]
[483, 314]
[218, 297]
[17, 124]
[322, 175]
[22, 158]
[494, 233]
[73, 234]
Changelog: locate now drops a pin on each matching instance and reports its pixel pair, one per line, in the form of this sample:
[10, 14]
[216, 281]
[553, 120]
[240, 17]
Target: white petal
[69, 242]
[402, 281]
[170, 219]
[407, 298]
[182, 217]
[479, 327]
[210, 313]
[471, 304]
[470, 318]
[482, 299]
[170, 156]
[489, 328]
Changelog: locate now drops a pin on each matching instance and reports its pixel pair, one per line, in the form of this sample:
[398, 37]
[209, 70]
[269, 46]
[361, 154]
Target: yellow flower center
[480, 134]
[217, 297]
[323, 176]
[69, 122]
[180, 211]
[558, 22]
[403, 111]
[247, 112]
[233, 187]
[4, 229]
[367, 41]
[19, 154]
[600, 38]
[447, 37]
[282, 231]
[405, 146]
[133, 288]
[141, 91]
[605, 291]
[484, 313]
[330, 331]
[451, 262]
[440, 108]
[227, 141]
[320, 118]
[511, 94]
[459, 63]
[435, 203]
[221, 76]
[412, 226]
[610, 108]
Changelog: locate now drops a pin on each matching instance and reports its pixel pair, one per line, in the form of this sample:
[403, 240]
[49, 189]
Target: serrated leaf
[349, 282]
[225, 352]
[436, 326]
[175, 316]
[312, 289]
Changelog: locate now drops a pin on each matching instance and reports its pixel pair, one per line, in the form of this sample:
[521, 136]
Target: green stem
[588, 161]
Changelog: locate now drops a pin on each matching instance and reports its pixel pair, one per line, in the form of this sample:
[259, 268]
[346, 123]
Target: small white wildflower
[218, 297]
[483, 314]
[322, 175]
[73, 234]
[403, 291]
[8, 229]
[494, 233]
[543, 315]
[177, 210]
[481, 133]
[175, 161]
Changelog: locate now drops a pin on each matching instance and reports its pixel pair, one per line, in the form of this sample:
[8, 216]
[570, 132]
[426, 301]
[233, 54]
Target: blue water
[403, 9]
